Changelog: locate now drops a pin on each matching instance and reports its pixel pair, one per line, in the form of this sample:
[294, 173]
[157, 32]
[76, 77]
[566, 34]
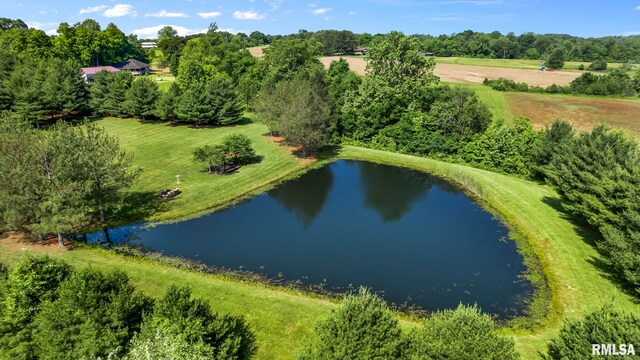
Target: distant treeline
[494, 45]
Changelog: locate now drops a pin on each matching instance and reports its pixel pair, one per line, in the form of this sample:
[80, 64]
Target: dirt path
[476, 74]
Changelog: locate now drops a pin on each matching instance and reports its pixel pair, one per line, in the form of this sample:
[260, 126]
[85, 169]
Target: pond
[413, 238]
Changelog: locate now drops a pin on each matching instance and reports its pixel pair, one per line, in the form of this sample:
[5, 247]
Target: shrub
[463, 333]
[30, 282]
[363, 327]
[598, 65]
[226, 336]
[581, 67]
[167, 345]
[92, 315]
[603, 326]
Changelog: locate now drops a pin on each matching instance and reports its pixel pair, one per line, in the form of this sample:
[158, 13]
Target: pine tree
[142, 98]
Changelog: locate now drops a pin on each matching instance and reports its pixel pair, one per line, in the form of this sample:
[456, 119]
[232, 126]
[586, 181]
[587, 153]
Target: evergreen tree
[167, 104]
[196, 106]
[141, 98]
[99, 90]
[92, 316]
[114, 103]
[463, 334]
[603, 326]
[226, 102]
[32, 281]
[363, 327]
[63, 89]
[192, 320]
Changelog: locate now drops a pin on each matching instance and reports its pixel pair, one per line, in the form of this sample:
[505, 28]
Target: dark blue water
[409, 236]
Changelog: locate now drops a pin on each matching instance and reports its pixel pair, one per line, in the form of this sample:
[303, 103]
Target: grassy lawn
[516, 63]
[494, 99]
[284, 319]
[163, 79]
[164, 151]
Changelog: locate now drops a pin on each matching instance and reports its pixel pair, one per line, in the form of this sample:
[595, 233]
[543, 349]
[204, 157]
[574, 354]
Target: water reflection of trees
[305, 197]
[391, 191]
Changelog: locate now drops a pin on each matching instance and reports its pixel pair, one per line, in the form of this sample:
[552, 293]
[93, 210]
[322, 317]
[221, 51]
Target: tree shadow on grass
[592, 236]
[327, 152]
[139, 207]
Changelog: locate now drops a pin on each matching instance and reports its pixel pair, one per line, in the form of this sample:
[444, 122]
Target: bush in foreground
[603, 326]
[463, 333]
[363, 327]
[182, 319]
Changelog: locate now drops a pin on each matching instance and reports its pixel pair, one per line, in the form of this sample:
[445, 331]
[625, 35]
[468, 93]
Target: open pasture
[474, 74]
[583, 112]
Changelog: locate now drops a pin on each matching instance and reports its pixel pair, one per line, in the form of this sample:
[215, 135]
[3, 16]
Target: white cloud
[631, 33]
[209, 15]
[165, 13]
[320, 11]
[119, 10]
[248, 15]
[92, 9]
[352, 13]
[638, 7]
[40, 26]
[52, 32]
[151, 32]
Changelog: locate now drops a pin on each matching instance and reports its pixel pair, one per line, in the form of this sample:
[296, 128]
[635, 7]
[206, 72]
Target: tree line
[85, 42]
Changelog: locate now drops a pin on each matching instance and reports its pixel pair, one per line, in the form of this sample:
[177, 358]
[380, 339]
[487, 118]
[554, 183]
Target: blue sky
[144, 18]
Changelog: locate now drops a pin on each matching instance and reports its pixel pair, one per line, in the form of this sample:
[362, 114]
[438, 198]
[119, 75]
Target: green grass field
[164, 151]
[494, 99]
[284, 319]
[516, 63]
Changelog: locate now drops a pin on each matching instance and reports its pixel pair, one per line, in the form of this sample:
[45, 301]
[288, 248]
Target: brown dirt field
[256, 51]
[582, 112]
[476, 74]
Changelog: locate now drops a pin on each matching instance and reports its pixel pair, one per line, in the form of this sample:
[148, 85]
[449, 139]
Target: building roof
[131, 64]
[95, 69]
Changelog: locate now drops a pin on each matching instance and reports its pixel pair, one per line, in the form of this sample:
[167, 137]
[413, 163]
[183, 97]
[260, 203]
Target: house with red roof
[89, 72]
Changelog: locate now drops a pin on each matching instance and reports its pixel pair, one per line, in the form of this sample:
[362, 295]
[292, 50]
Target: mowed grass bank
[494, 99]
[164, 151]
[565, 250]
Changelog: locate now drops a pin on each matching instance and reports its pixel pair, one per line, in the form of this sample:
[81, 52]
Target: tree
[240, 146]
[285, 57]
[63, 88]
[228, 108]
[142, 97]
[228, 337]
[298, 111]
[556, 59]
[108, 170]
[196, 105]
[463, 333]
[362, 327]
[603, 326]
[168, 102]
[99, 90]
[61, 208]
[550, 144]
[32, 281]
[93, 314]
[599, 174]
[114, 103]
[598, 65]
[213, 156]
